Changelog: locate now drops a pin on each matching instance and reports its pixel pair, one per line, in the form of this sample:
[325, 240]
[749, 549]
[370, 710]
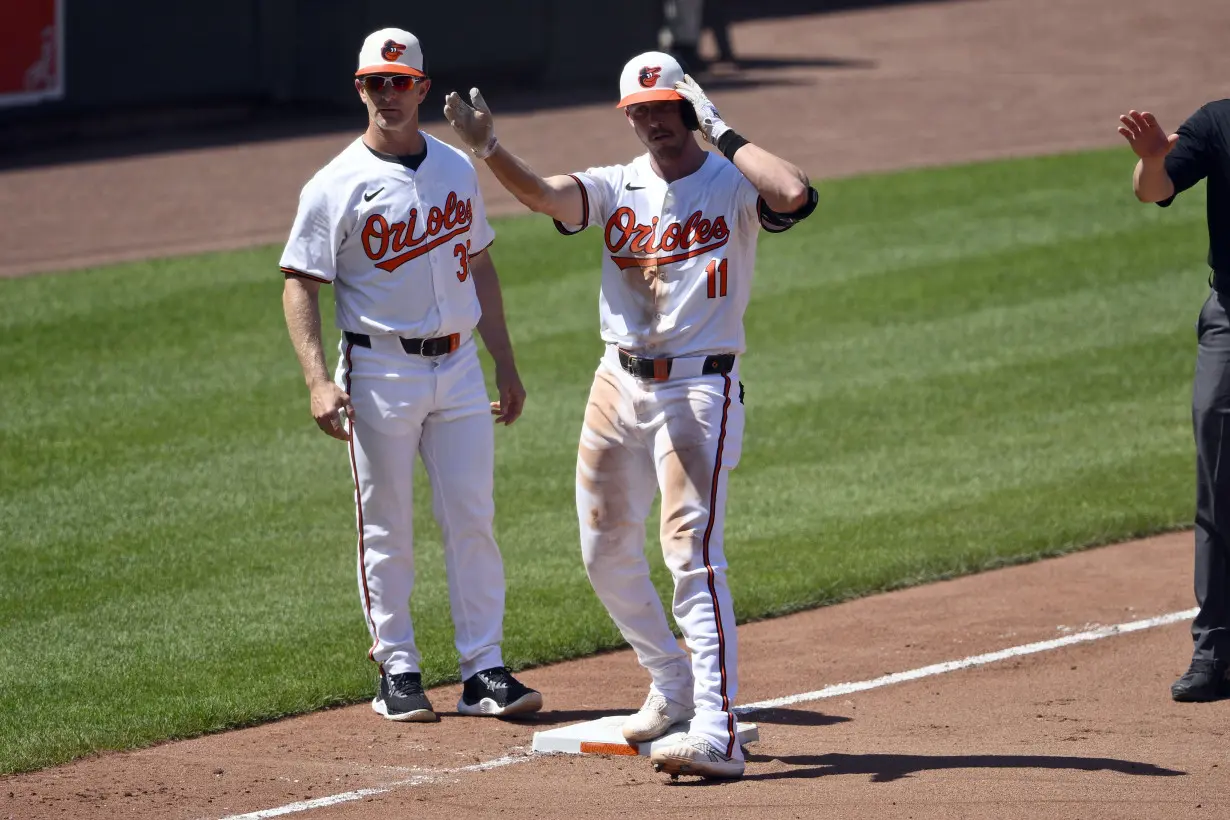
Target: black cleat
[496, 692]
[1204, 681]
[402, 698]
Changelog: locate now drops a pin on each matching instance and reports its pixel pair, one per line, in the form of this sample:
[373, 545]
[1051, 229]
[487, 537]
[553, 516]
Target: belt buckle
[657, 370]
[440, 345]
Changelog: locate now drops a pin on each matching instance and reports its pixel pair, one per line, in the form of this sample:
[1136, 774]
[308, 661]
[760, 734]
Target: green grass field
[949, 370]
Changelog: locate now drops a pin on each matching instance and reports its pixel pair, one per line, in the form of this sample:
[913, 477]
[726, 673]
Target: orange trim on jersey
[314, 278]
[389, 68]
[559, 226]
[625, 262]
[649, 96]
[717, 612]
[395, 262]
[358, 503]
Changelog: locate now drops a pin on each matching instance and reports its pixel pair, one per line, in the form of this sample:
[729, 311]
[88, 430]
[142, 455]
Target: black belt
[660, 369]
[415, 347]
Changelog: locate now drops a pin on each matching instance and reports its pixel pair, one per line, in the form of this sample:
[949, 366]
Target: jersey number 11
[717, 278]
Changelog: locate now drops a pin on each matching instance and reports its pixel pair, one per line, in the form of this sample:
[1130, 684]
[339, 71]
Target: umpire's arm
[1149, 141]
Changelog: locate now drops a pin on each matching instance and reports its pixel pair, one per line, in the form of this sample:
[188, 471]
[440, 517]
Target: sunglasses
[375, 83]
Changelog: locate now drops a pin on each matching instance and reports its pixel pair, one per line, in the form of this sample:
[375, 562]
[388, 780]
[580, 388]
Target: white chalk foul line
[431, 776]
[820, 694]
[965, 663]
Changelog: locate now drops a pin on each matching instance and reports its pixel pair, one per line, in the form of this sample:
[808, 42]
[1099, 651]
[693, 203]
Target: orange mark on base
[588, 748]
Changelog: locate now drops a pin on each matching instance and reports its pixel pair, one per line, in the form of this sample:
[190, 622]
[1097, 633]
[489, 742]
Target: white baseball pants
[437, 408]
[683, 436]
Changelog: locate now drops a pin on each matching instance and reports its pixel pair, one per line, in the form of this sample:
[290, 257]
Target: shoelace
[705, 747]
[496, 678]
[406, 685]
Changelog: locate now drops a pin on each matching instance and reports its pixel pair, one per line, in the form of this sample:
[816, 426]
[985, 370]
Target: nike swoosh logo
[631, 187]
[371, 196]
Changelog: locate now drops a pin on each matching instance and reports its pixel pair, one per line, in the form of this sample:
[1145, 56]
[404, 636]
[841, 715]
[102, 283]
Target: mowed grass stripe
[949, 370]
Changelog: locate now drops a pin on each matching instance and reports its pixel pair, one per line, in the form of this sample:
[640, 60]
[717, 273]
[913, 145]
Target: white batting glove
[711, 125]
[472, 121]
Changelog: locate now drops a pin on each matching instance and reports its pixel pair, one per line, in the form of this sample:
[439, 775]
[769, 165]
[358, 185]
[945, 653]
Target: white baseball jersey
[395, 242]
[679, 257]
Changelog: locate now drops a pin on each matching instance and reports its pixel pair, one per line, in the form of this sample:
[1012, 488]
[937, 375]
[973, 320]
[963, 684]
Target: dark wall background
[151, 52]
[140, 67]
[136, 51]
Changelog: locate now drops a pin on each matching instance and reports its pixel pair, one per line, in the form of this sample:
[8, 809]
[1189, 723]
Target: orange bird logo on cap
[649, 76]
[391, 50]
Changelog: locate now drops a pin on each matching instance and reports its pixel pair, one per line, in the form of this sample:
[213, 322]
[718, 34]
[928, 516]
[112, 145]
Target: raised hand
[1148, 139]
[472, 121]
[711, 125]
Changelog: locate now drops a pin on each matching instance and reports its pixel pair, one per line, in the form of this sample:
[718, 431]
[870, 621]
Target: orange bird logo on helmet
[649, 76]
[391, 50]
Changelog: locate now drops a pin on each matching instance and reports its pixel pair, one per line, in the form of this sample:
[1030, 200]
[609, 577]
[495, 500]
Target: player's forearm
[301, 305]
[782, 185]
[559, 197]
[492, 326]
[523, 182]
[1150, 182]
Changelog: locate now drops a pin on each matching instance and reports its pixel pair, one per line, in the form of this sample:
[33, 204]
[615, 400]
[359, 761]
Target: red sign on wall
[32, 52]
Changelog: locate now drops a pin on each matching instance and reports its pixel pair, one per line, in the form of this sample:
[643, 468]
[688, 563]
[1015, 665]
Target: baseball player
[396, 223]
[679, 226]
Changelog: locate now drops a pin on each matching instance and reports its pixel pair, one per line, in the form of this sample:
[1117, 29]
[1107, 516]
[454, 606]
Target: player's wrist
[729, 143]
[317, 381]
[486, 150]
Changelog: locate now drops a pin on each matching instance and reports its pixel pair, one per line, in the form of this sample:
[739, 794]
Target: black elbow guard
[774, 222]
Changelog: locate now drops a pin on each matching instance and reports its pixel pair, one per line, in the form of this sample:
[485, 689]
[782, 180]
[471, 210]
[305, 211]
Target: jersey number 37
[462, 252]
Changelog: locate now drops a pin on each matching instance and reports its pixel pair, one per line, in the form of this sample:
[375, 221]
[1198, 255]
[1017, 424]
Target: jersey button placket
[436, 269]
[665, 215]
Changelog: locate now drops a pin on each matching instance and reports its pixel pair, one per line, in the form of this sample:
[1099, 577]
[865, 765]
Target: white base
[604, 737]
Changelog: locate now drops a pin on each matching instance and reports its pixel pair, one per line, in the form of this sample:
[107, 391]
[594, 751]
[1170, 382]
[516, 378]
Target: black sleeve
[773, 222]
[1188, 162]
